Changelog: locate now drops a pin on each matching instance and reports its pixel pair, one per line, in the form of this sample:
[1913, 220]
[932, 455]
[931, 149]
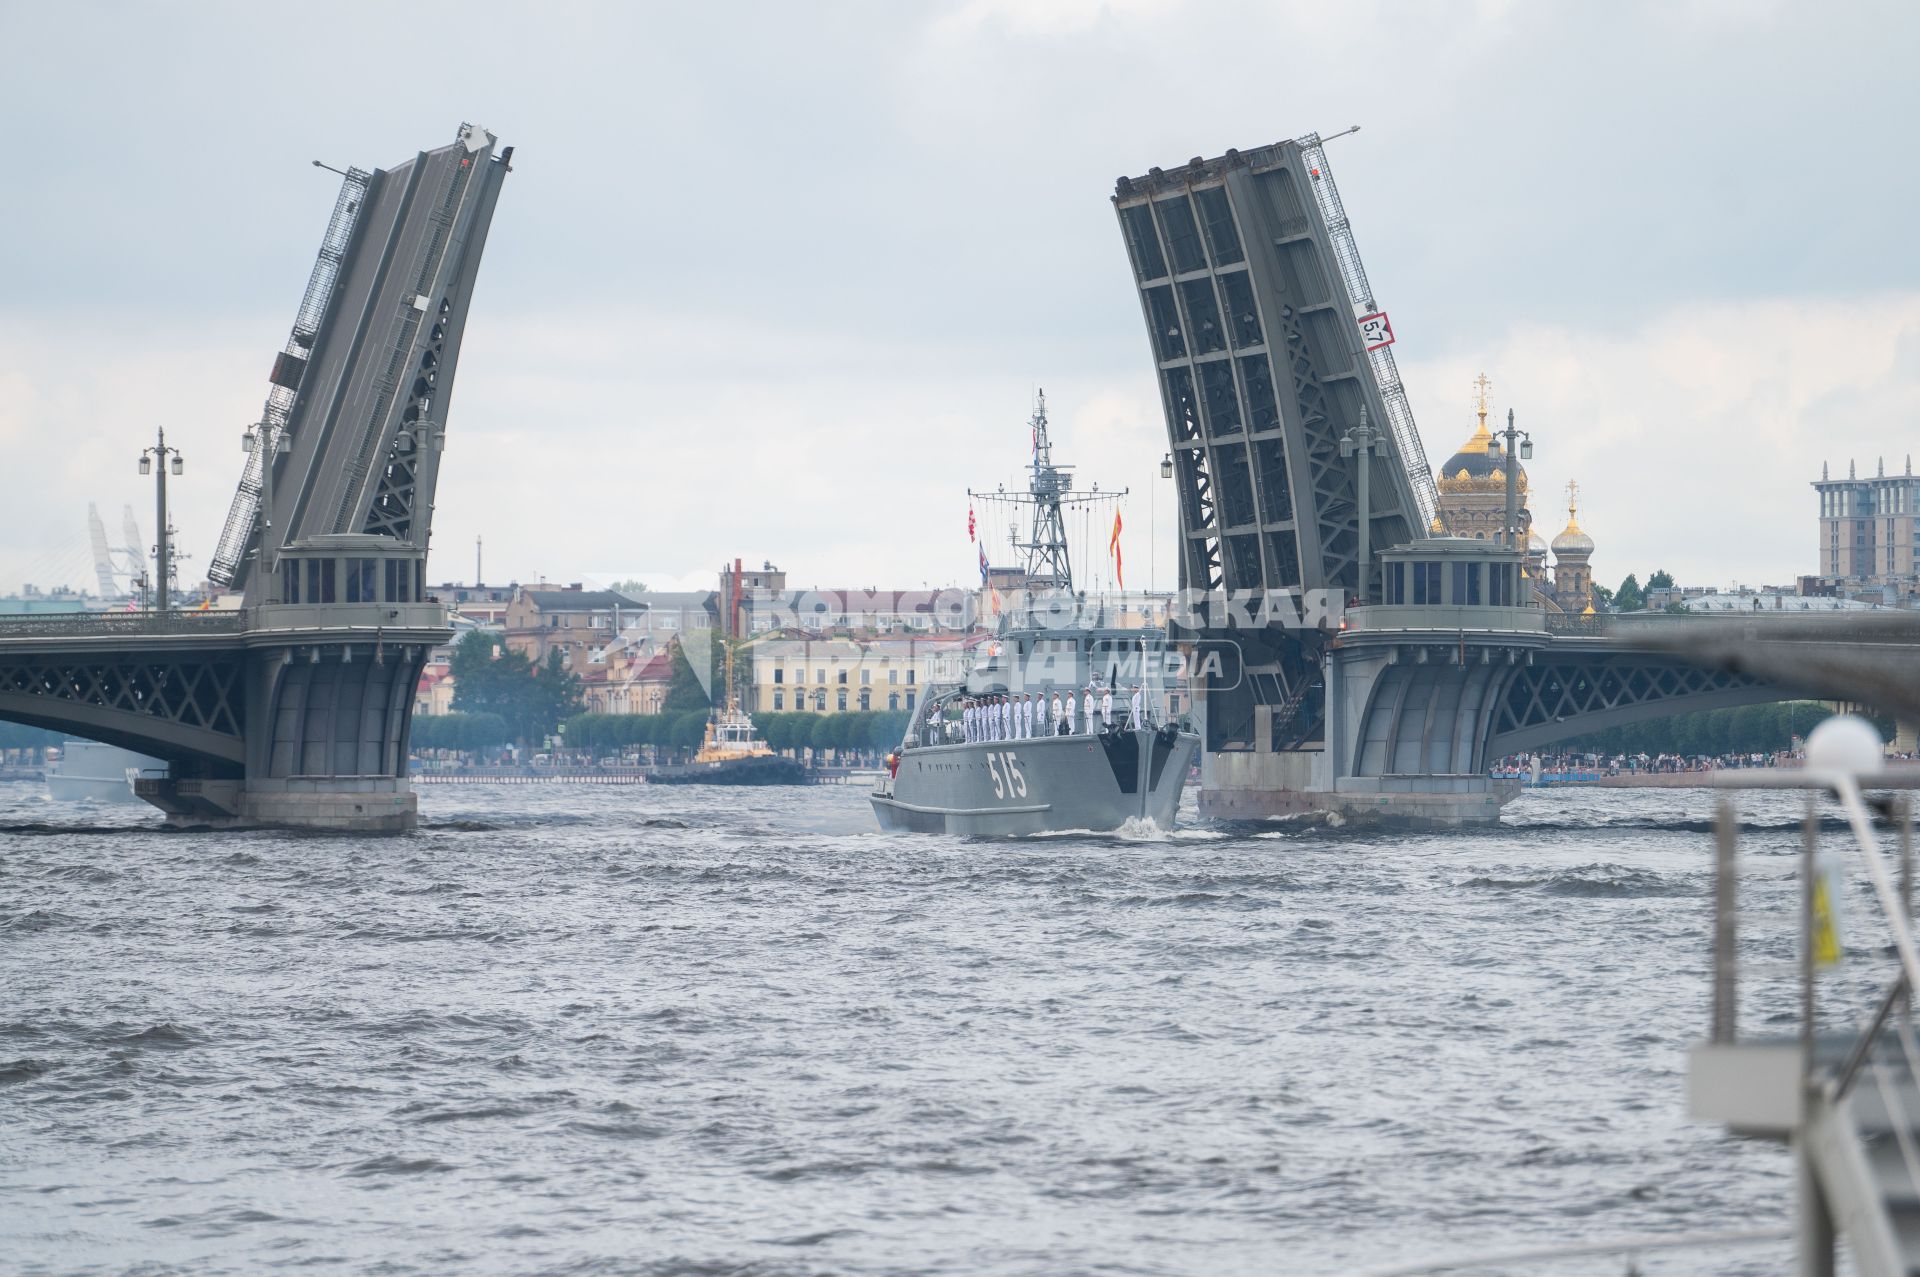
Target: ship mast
[1046, 563]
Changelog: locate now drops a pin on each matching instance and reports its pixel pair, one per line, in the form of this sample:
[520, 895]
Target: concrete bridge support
[293, 709]
[280, 716]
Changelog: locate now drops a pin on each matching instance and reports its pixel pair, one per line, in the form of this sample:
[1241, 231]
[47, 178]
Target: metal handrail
[1888, 628]
[1842, 1082]
[90, 624]
[1847, 787]
[1902, 1125]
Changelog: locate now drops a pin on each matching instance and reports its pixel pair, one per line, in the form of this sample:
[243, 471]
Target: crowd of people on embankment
[1594, 766]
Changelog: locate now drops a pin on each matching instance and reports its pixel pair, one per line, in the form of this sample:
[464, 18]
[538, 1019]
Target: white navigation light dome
[1846, 743]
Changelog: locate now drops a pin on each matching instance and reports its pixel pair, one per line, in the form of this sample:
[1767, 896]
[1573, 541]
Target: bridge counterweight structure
[295, 709]
[1252, 291]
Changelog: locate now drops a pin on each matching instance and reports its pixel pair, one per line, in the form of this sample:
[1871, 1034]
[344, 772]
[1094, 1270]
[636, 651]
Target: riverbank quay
[1898, 777]
[600, 776]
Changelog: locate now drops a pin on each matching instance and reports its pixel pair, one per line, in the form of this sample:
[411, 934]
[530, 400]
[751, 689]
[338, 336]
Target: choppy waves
[608, 1030]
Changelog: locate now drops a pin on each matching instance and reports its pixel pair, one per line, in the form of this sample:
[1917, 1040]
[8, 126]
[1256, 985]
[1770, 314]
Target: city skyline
[1634, 271]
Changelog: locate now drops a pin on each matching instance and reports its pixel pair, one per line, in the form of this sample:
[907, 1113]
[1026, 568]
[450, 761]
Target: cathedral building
[1473, 487]
[1473, 503]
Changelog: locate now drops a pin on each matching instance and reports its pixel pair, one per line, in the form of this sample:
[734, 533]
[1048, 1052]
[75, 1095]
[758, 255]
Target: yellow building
[627, 682]
[833, 675]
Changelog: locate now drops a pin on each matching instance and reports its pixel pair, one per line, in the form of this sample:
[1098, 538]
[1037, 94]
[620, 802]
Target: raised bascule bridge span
[294, 709]
[1296, 463]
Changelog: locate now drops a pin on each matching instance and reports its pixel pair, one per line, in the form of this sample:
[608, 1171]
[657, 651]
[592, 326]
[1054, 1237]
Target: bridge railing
[1892, 626]
[89, 624]
[1559, 623]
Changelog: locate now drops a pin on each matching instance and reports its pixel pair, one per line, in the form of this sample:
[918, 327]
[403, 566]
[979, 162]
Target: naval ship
[89, 772]
[964, 768]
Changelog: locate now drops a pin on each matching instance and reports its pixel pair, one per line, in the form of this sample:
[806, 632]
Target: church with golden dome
[1473, 503]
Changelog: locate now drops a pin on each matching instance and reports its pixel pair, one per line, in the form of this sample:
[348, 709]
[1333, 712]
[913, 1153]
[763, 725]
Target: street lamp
[1524, 448]
[1153, 526]
[1364, 440]
[169, 459]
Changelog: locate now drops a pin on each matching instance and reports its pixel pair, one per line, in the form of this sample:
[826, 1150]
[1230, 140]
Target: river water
[632, 1030]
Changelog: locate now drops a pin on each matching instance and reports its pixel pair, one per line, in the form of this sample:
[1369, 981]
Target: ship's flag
[970, 523]
[983, 565]
[1113, 547]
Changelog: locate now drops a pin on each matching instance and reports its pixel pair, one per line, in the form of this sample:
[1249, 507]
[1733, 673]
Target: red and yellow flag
[1113, 548]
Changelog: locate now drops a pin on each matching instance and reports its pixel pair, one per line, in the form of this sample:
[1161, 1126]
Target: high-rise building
[1870, 532]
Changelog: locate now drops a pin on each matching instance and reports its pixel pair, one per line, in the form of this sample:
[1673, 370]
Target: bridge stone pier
[1423, 697]
[292, 706]
[1298, 469]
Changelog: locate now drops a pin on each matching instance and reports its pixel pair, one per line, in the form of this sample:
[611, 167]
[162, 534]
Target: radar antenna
[1046, 564]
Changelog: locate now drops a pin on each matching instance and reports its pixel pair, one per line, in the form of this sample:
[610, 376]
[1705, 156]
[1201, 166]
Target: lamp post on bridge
[1364, 440]
[1153, 529]
[251, 442]
[168, 458]
[1525, 451]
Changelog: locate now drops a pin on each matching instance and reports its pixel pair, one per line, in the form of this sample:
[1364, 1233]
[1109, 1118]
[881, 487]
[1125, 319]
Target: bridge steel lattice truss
[306, 691]
[1250, 287]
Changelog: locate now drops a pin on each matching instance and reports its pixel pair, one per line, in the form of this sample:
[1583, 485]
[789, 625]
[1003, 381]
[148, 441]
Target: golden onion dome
[1472, 467]
[1572, 541]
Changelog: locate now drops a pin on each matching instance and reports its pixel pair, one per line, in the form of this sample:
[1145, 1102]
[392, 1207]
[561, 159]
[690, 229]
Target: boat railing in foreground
[1844, 1089]
[1847, 1102]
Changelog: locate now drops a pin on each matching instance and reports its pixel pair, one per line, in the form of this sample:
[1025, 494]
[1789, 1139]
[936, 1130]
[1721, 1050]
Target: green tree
[491, 678]
[1628, 597]
[689, 730]
[467, 733]
[684, 693]
[629, 587]
[1660, 580]
[1754, 729]
[556, 694]
[776, 730]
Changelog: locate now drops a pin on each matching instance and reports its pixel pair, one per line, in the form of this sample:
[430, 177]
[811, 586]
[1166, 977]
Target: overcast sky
[778, 280]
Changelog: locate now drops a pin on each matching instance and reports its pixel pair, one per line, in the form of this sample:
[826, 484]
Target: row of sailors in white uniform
[1017, 717]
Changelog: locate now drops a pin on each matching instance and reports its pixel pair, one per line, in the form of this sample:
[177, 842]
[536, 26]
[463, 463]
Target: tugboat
[732, 753]
[968, 766]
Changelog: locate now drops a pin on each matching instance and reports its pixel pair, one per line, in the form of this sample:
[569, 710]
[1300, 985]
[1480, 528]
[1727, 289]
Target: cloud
[1694, 435]
[1050, 18]
[780, 280]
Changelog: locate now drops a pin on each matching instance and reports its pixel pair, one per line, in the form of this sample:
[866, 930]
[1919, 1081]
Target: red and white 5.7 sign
[1375, 330]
